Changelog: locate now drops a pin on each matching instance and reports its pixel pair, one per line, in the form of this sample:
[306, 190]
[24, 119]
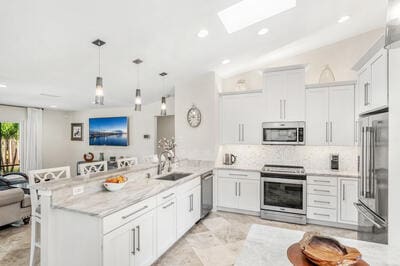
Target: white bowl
[114, 186]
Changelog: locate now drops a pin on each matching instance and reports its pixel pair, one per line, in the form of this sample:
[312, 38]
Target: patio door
[10, 143]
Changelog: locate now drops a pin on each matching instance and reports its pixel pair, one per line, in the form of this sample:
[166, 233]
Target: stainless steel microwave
[283, 133]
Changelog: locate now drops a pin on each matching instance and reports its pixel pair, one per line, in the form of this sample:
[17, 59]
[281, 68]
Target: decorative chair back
[44, 175]
[127, 162]
[95, 167]
[153, 158]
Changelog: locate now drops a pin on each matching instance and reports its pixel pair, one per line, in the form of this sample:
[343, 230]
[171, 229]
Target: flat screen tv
[108, 131]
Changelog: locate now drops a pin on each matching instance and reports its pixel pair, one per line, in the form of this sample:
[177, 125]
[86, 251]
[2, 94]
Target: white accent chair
[127, 162]
[153, 158]
[38, 176]
[95, 167]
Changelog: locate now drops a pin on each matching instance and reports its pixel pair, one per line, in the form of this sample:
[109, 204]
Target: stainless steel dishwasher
[206, 193]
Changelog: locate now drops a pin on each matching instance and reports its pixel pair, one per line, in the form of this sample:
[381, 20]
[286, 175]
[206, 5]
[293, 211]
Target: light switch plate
[77, 190]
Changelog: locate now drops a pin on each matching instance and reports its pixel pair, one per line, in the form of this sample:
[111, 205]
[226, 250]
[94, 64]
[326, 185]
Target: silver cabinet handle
[169, 205]
[134, 241]
[242, 132]
[321, 190]
[169, 195]
[326, 132]
[138, 238]
[322, 181]
[238, 174]
[321, 214]
[239, 188]
[344, 192]
[239, 133]
[190, 202]
[133, 213]
[366, 93]
[235, 188]
[331, 131]
[321, 201]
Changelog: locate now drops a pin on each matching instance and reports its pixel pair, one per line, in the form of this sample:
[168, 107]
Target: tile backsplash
[311, 157]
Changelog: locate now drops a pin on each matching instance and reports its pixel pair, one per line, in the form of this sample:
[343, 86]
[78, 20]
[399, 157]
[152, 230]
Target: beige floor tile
[216, 256]
[203, 240]
[216, 224]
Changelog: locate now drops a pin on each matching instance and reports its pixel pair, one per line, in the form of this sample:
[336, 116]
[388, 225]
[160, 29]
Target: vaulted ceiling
[45, 45]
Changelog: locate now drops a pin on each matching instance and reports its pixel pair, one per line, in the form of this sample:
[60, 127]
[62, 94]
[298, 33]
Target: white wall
[201, 142]
[140, 123]
[394, 147]
[340, 56]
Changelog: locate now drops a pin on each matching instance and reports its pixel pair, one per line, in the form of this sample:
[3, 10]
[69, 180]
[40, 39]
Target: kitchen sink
[174, 176]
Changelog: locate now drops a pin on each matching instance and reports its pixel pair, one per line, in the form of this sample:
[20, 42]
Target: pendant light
[99, 98]
[163, 99]
[138, 99]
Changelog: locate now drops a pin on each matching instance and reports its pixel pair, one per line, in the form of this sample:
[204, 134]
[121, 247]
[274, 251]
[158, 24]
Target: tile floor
[216, 240]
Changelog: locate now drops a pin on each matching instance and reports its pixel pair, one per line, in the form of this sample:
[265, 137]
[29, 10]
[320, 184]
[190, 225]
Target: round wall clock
[194, 116]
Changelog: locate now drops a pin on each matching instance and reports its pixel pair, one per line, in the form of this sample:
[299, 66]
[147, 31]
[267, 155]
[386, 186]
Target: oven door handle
[283, 180]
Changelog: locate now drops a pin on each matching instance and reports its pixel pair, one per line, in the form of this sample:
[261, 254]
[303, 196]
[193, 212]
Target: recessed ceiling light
[248, 12]
[202, 33]
[343, 19]
[226, 61]
[3, 86]
[263, 31]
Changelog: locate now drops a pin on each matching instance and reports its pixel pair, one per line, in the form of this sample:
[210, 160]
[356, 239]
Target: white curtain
[33, 140]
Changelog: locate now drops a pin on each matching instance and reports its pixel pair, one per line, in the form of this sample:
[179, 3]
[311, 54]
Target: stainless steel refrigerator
[372, 202]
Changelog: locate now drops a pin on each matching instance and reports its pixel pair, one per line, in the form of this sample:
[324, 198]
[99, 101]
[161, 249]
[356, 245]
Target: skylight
[249, 12]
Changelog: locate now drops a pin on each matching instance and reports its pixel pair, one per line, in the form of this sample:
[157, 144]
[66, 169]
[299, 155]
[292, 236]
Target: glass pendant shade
[163, 106]
[99, 99]
[138, 101]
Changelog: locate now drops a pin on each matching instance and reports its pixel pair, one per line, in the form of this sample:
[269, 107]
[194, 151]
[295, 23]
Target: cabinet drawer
[321, 190]
[121, 217]
[188, 185]
[239, 174]
[329, 202]
[321, 214]
[166, 196]
[322, 181]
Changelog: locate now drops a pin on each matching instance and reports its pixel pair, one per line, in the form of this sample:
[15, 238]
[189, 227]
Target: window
[9, 147]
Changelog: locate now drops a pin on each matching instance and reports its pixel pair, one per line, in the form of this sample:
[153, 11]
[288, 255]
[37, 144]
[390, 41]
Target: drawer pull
[133, 213]
[237, 174]
[134, 241]
[321, 214]
[172, 203]
[321, 190]
[322, 181]
[169, 195]
[321, 201]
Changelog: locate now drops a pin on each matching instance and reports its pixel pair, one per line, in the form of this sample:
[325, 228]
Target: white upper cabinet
[284, 95]
[241, 118]
[372, 83]
[330, 115]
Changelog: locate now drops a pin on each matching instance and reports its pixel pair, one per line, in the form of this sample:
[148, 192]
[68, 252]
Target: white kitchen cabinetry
[188, 212]
[166, 226]
[330, 199]
[348, 195]
[330, 115]
[238, 190]
[241, 118]
[132, 244]
[284, 95]
[372, 83]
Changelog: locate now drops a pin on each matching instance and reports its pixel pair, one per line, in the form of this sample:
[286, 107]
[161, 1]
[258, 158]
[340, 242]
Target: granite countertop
[266, 245]
[103, 203]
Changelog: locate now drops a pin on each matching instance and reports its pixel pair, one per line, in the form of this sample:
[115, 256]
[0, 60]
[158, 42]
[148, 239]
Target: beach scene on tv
[109, 131]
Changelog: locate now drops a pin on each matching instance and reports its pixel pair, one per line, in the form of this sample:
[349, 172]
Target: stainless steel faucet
[169, 156]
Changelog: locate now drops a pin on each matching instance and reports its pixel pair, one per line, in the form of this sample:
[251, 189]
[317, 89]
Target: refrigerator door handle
[362, 162]
[372, 163]
[374, 219]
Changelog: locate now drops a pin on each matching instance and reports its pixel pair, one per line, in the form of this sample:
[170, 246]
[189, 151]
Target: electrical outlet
[77, 190]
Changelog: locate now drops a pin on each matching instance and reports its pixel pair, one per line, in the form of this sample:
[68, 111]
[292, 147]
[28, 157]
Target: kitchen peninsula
[82, 224]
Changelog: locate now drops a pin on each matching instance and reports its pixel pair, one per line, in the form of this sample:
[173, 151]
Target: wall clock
[194, 116]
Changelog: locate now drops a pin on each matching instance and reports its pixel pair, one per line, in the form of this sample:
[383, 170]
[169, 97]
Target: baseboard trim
[253, 213]
[331, 224]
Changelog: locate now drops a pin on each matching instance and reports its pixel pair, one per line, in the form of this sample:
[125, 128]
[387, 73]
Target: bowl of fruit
[115, 183]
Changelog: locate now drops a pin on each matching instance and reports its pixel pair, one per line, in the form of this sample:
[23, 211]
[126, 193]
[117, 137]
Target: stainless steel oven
[286, 133]
[284, 193]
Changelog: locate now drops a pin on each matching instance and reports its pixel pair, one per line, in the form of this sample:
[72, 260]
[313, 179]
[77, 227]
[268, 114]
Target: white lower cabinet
[166, 226]
[348, 195]
[133, 243]
[188, 212]
[331, 198]
[238, 190]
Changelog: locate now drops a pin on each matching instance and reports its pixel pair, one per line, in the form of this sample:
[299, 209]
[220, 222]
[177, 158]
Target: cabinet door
[341, 116]
[166, 226]
[227, 192]
[231, 127]
[294, 101]
[145, 230]
[379, 77]
[184, 215]
[118, 246]
[364, 79]
[274, 94]
[196, 205]
[317, 116]
[348, 195]
[249, 195]
[251, 109]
